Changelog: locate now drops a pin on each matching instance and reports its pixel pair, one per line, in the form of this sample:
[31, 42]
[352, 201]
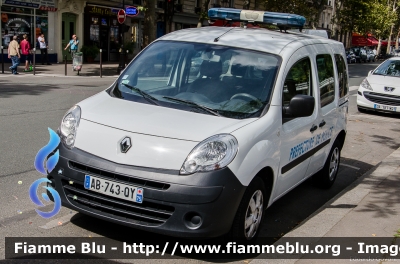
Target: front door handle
[323, 123]
[313, 128]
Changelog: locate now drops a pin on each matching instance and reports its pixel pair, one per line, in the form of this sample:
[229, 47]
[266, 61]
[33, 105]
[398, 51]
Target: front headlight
[69, 126]
[214, 153]
[365, 84]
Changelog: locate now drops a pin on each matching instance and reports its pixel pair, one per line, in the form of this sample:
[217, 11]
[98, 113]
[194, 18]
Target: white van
[205, 129]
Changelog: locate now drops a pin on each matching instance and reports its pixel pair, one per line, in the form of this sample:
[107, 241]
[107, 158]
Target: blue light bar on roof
[278, 19]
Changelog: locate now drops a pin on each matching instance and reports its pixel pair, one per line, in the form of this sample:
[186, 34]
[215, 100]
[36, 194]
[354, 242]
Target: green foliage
[362, 16]
[90, 51]
[141, 8]
[382, 17]
[130, 46]
[311, 9]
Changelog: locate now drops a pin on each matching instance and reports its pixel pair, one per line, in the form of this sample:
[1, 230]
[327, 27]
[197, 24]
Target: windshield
[389, 68]
[203, 78]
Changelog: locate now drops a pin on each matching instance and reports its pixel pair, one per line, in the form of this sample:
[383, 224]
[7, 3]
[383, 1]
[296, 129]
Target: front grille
[122, 178]
[385, 95]
[385, 99]
[146, 213]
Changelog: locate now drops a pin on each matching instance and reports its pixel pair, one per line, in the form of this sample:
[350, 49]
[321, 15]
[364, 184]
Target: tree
[203, 15]
[382, 18]
[394, 15]
[311, 10]
[149, 25]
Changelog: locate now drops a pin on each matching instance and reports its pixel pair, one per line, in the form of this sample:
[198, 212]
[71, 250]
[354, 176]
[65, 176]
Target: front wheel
[249, 215]
[327, 176]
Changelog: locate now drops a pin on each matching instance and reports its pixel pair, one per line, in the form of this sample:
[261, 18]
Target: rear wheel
[327, 176]
[249, 215]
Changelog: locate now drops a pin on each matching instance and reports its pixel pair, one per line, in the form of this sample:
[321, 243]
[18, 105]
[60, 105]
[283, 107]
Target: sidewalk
[58, 69]
[370, 207]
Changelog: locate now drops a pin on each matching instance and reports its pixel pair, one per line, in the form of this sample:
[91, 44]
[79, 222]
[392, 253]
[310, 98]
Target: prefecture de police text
[310, 143]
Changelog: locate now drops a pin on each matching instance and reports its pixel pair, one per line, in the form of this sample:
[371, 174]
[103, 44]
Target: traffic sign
[131, 11]
[121, 16]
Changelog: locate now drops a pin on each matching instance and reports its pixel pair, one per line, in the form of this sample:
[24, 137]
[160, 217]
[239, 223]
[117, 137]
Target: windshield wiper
[145, 95]
[209, 110]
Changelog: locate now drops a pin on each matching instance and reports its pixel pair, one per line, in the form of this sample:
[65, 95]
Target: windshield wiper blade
[142, 93]
[209, 110]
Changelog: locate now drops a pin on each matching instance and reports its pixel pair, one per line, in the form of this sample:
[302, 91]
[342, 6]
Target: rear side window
[326, 79]
[342, 75]
[298, 80]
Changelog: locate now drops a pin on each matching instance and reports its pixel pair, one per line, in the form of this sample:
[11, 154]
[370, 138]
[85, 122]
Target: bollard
[65, 59]
[34, 61]
[126, 55]
[2, 60]
[101, 64]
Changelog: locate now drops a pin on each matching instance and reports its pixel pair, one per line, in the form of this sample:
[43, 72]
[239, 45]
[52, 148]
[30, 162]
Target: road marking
[56, 222]
[347, 165]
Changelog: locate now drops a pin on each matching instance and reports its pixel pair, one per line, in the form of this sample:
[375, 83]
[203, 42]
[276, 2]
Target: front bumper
[170, 200]
[367, 99]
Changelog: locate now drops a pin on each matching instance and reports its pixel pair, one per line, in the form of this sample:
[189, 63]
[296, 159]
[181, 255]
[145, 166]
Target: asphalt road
[28, 106]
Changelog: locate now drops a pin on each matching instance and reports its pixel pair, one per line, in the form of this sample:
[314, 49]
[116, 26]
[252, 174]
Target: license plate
[114, 189]
[385, 107]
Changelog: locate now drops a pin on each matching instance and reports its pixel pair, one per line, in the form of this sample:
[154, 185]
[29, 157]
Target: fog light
[193, 220]
[70, 140]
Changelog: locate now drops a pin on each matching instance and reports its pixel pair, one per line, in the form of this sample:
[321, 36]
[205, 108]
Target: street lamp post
[121, 65]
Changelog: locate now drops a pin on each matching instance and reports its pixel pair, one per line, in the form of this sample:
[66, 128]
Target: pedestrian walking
[14, 55]
[25, 50]
[43, 49]
[73, 48]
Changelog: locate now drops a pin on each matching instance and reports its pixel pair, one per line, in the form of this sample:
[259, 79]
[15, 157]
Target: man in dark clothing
[43, 49]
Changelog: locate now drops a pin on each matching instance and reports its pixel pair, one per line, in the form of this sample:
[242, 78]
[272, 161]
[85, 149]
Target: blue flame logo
[45, 164]
[45, 152]
[35, 198]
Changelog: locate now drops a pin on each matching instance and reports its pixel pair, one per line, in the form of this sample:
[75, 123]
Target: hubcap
[333, 166]
[253, 214]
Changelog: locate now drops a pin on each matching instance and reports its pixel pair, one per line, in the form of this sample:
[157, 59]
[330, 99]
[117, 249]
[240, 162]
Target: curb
[334, 210]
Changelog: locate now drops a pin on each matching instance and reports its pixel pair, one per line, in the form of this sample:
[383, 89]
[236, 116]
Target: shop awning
[359, 40]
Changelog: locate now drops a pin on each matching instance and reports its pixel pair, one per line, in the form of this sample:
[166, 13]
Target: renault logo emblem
[389, 89]
[125, 144]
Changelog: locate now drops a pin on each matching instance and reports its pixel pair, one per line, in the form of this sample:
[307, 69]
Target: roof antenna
[217, 38]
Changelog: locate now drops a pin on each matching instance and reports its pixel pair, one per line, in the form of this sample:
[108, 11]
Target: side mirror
[369, 73]
[300, 105]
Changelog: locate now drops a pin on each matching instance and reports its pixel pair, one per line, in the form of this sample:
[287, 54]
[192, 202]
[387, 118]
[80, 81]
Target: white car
[380, 90]
[203, 151]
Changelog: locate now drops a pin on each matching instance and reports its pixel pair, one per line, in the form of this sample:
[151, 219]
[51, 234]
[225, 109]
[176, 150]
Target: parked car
[380, 90]
[370, 56]
[361, 54]
[351, 57]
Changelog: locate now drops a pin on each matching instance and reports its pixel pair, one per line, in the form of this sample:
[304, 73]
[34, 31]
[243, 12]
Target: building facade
[28, 17]
[96, 24]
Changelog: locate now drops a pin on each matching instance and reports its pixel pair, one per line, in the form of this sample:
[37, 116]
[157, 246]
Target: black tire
[239, 230]
[327, 176]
